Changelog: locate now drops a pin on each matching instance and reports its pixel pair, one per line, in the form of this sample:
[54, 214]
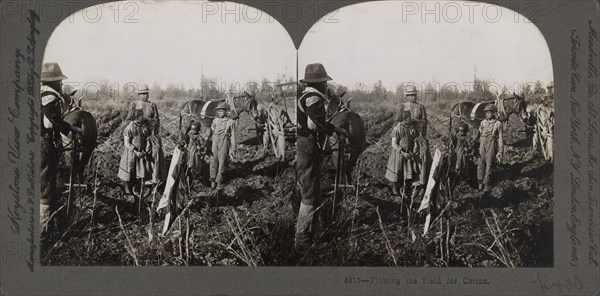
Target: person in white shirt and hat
[417, 111]
[222, 133]
[491, 145]
[149, 109]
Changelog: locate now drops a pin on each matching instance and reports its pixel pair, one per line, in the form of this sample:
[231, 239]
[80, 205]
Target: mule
[85, 143]
[205, 111]
[339, 114]
[472, 112]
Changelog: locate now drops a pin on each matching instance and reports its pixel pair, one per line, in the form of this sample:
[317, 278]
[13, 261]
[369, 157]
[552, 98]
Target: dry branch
[129, 247]
[387, 241]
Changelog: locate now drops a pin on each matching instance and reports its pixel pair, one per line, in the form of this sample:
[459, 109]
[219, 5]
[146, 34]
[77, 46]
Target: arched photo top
[171, 42]
[424, 41]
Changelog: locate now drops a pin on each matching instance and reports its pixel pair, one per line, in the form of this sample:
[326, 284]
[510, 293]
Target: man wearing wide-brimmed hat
[312, 127]
[148, 108]
[52, 126]
[417, 111]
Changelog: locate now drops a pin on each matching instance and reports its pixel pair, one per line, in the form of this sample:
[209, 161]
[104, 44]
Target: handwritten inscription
[558, 286]
[25, 83]
[592, 160]
[575, 180]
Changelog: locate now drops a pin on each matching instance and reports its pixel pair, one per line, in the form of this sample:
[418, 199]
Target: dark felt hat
[315, 73]
[51, 72]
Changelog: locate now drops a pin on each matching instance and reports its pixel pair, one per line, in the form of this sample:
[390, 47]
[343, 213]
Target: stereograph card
[300, 147]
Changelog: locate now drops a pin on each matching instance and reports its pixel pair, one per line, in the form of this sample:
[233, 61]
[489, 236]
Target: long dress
[399, 167]
[156, 159]
[131, 166]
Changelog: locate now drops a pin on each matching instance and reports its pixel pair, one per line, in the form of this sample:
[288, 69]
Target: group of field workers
[143, 162]
[409, 161]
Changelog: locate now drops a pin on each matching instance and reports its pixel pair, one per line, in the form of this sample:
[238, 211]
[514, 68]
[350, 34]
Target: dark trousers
[48, 171]
[308, 167]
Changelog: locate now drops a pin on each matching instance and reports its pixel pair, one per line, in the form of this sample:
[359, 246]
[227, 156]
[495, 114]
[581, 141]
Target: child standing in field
[400, 166]
[197, 150]
[462, 147]
[490, 145]
[132, 165]
[222, 133]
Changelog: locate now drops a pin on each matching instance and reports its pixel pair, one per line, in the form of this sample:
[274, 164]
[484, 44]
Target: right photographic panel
[425, 138]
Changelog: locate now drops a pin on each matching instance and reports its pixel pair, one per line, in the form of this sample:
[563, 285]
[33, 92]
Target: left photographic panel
[167, 136]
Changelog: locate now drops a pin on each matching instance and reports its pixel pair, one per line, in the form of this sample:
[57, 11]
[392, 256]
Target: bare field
[251, 221]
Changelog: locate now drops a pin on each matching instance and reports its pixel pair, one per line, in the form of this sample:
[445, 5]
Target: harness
[46, 90]
[230, 100]
[502, 114]
[308, 92]
[474, 111]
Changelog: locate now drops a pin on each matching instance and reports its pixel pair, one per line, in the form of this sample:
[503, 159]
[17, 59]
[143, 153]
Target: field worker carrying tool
[312, 129]
[197, 150]
[149, 109]
[490, 145]
[417, 111]
[52, 126]
[400, 164]
[133, 160]
[222, 133]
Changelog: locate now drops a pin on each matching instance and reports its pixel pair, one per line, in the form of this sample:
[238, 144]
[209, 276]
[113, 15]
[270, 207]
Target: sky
[389, 41]
[392, 41]
[171, 42]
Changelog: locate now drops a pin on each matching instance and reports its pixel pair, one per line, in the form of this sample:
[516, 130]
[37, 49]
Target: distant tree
[482, 92]
[538, 88]
[379, 91]
[399, 93]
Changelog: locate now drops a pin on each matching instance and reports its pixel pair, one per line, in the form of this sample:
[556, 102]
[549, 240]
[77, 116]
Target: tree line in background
[479, 90]
[209, 89]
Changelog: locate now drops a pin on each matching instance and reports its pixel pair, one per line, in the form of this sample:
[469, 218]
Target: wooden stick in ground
[72, 173]
[151, 213]
[355, 202]
[130, 250]
[187, 241]
[93, 208]
[409, 207]
[140, 201]
[179, 239]
[387, 241]
[441, 240]
[337, 176]
[447, 240]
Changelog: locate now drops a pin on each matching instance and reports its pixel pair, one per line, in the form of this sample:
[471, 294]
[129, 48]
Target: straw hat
[410, 90]
[143, 89]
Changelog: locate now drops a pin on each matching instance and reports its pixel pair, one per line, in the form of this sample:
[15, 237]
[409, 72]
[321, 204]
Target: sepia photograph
[168, 138]
[425, 140]
[412, 143]
[396, 147]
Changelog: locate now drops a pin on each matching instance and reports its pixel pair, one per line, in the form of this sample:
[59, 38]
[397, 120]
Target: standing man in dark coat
[52, 126]
[312, 129]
